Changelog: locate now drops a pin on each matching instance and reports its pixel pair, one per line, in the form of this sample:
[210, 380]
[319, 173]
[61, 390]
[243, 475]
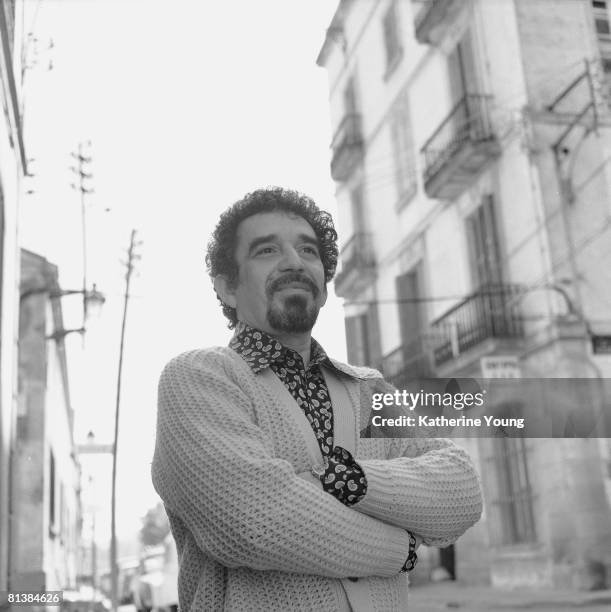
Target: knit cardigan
[252, 534]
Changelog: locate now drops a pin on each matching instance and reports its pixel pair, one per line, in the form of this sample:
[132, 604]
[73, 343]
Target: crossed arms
[216, 470]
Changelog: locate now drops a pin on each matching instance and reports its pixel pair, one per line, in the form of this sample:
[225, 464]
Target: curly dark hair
[221, 248]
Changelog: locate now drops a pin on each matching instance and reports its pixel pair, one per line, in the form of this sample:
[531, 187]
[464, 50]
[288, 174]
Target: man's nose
[291, 260]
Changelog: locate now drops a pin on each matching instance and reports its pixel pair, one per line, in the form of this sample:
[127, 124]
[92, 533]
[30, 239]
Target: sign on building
[500, 366]
[601, 345]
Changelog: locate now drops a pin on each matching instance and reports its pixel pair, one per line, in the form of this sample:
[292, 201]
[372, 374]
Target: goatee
[294, 316]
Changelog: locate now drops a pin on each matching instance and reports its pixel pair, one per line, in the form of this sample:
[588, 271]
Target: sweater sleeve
[215, 469]
[427, 485]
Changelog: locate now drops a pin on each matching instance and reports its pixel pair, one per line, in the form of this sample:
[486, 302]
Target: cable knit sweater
[252, 534]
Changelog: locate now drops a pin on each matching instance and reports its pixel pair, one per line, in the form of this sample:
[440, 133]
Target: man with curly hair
[274, 500]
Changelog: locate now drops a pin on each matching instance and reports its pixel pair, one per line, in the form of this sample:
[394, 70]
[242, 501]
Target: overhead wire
[381, 172]
[505, 259]
[386, 170]
[558, 74]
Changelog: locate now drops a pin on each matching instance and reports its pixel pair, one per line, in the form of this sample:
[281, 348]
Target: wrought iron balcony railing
[347, 146]
[468, 121]
[490, 312]
[411, 360]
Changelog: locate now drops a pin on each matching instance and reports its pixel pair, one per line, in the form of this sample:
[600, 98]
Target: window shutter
[354, 340]
[484, 251]
[408, 290]
[391, 34]
[350, 98]
[373, 337]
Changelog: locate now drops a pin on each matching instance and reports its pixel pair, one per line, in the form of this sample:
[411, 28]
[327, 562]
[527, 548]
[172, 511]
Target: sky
[188, 105]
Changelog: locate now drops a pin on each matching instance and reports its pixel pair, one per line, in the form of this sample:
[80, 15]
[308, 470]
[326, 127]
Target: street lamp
[93, 300]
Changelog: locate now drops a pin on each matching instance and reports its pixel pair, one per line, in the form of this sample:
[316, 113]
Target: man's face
[281, 280]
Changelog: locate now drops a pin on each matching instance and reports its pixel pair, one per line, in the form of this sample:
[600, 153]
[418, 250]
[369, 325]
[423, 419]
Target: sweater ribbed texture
[251, 534]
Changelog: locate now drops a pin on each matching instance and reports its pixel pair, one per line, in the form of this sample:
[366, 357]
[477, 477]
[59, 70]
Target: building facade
[46, 514]
[12, 171]
[470, 153]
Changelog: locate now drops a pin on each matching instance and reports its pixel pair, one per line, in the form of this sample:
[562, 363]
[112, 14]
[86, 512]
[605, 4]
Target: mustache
[292, 277]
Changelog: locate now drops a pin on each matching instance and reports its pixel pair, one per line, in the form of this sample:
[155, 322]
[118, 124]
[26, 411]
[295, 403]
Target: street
[467, 598]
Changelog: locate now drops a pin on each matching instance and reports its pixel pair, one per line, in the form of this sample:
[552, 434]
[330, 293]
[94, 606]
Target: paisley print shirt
[343, 477]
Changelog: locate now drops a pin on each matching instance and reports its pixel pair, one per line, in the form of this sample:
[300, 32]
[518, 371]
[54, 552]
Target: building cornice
[11, 89]
[335, 27]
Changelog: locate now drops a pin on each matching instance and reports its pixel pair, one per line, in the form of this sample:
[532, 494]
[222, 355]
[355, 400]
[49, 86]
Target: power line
[581, 246]
[539, 284]
[503, 104]
[497, 105]
[386, 174]
[542, 283]
[545, 221]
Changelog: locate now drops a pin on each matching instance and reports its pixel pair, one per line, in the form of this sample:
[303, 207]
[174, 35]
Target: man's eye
[311, 249]
[264, 250]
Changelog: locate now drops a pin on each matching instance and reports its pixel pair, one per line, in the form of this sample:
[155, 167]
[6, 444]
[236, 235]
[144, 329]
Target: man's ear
[325, 295]
[225, 290]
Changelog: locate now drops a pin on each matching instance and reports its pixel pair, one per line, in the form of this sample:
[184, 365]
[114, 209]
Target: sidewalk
[457, 596]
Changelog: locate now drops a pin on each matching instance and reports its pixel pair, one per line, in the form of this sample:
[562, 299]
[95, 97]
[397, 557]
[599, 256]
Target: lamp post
[94, 552]
[93, 300]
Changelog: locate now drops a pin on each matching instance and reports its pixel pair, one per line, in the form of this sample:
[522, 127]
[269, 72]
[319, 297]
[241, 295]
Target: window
[357, 208]
[51, 494]
[462, 69]
[408, 288]
[392, 42]
[362, 337]
[601, 21]
[62, 513]
[403, 153]
[602, 26]
[357, 339]
[484, 250]
[350, 103]
[415, 361]
[513, 504]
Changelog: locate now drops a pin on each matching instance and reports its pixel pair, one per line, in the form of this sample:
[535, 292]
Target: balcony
[358, 265]
[410, 361]
[489, 313]
[433, 16]
[347, 146]
[460, 148]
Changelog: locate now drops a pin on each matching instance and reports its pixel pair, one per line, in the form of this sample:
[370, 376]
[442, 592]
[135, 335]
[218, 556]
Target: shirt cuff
[344, 478]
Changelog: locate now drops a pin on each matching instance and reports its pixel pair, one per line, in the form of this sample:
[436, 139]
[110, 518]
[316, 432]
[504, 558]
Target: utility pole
[114, 569]
[82, 176]
[94, 553]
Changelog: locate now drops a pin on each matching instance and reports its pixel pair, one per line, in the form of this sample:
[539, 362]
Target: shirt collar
[260, 350]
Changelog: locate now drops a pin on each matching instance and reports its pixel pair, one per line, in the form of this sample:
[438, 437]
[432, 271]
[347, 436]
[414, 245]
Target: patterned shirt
[343, 477]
